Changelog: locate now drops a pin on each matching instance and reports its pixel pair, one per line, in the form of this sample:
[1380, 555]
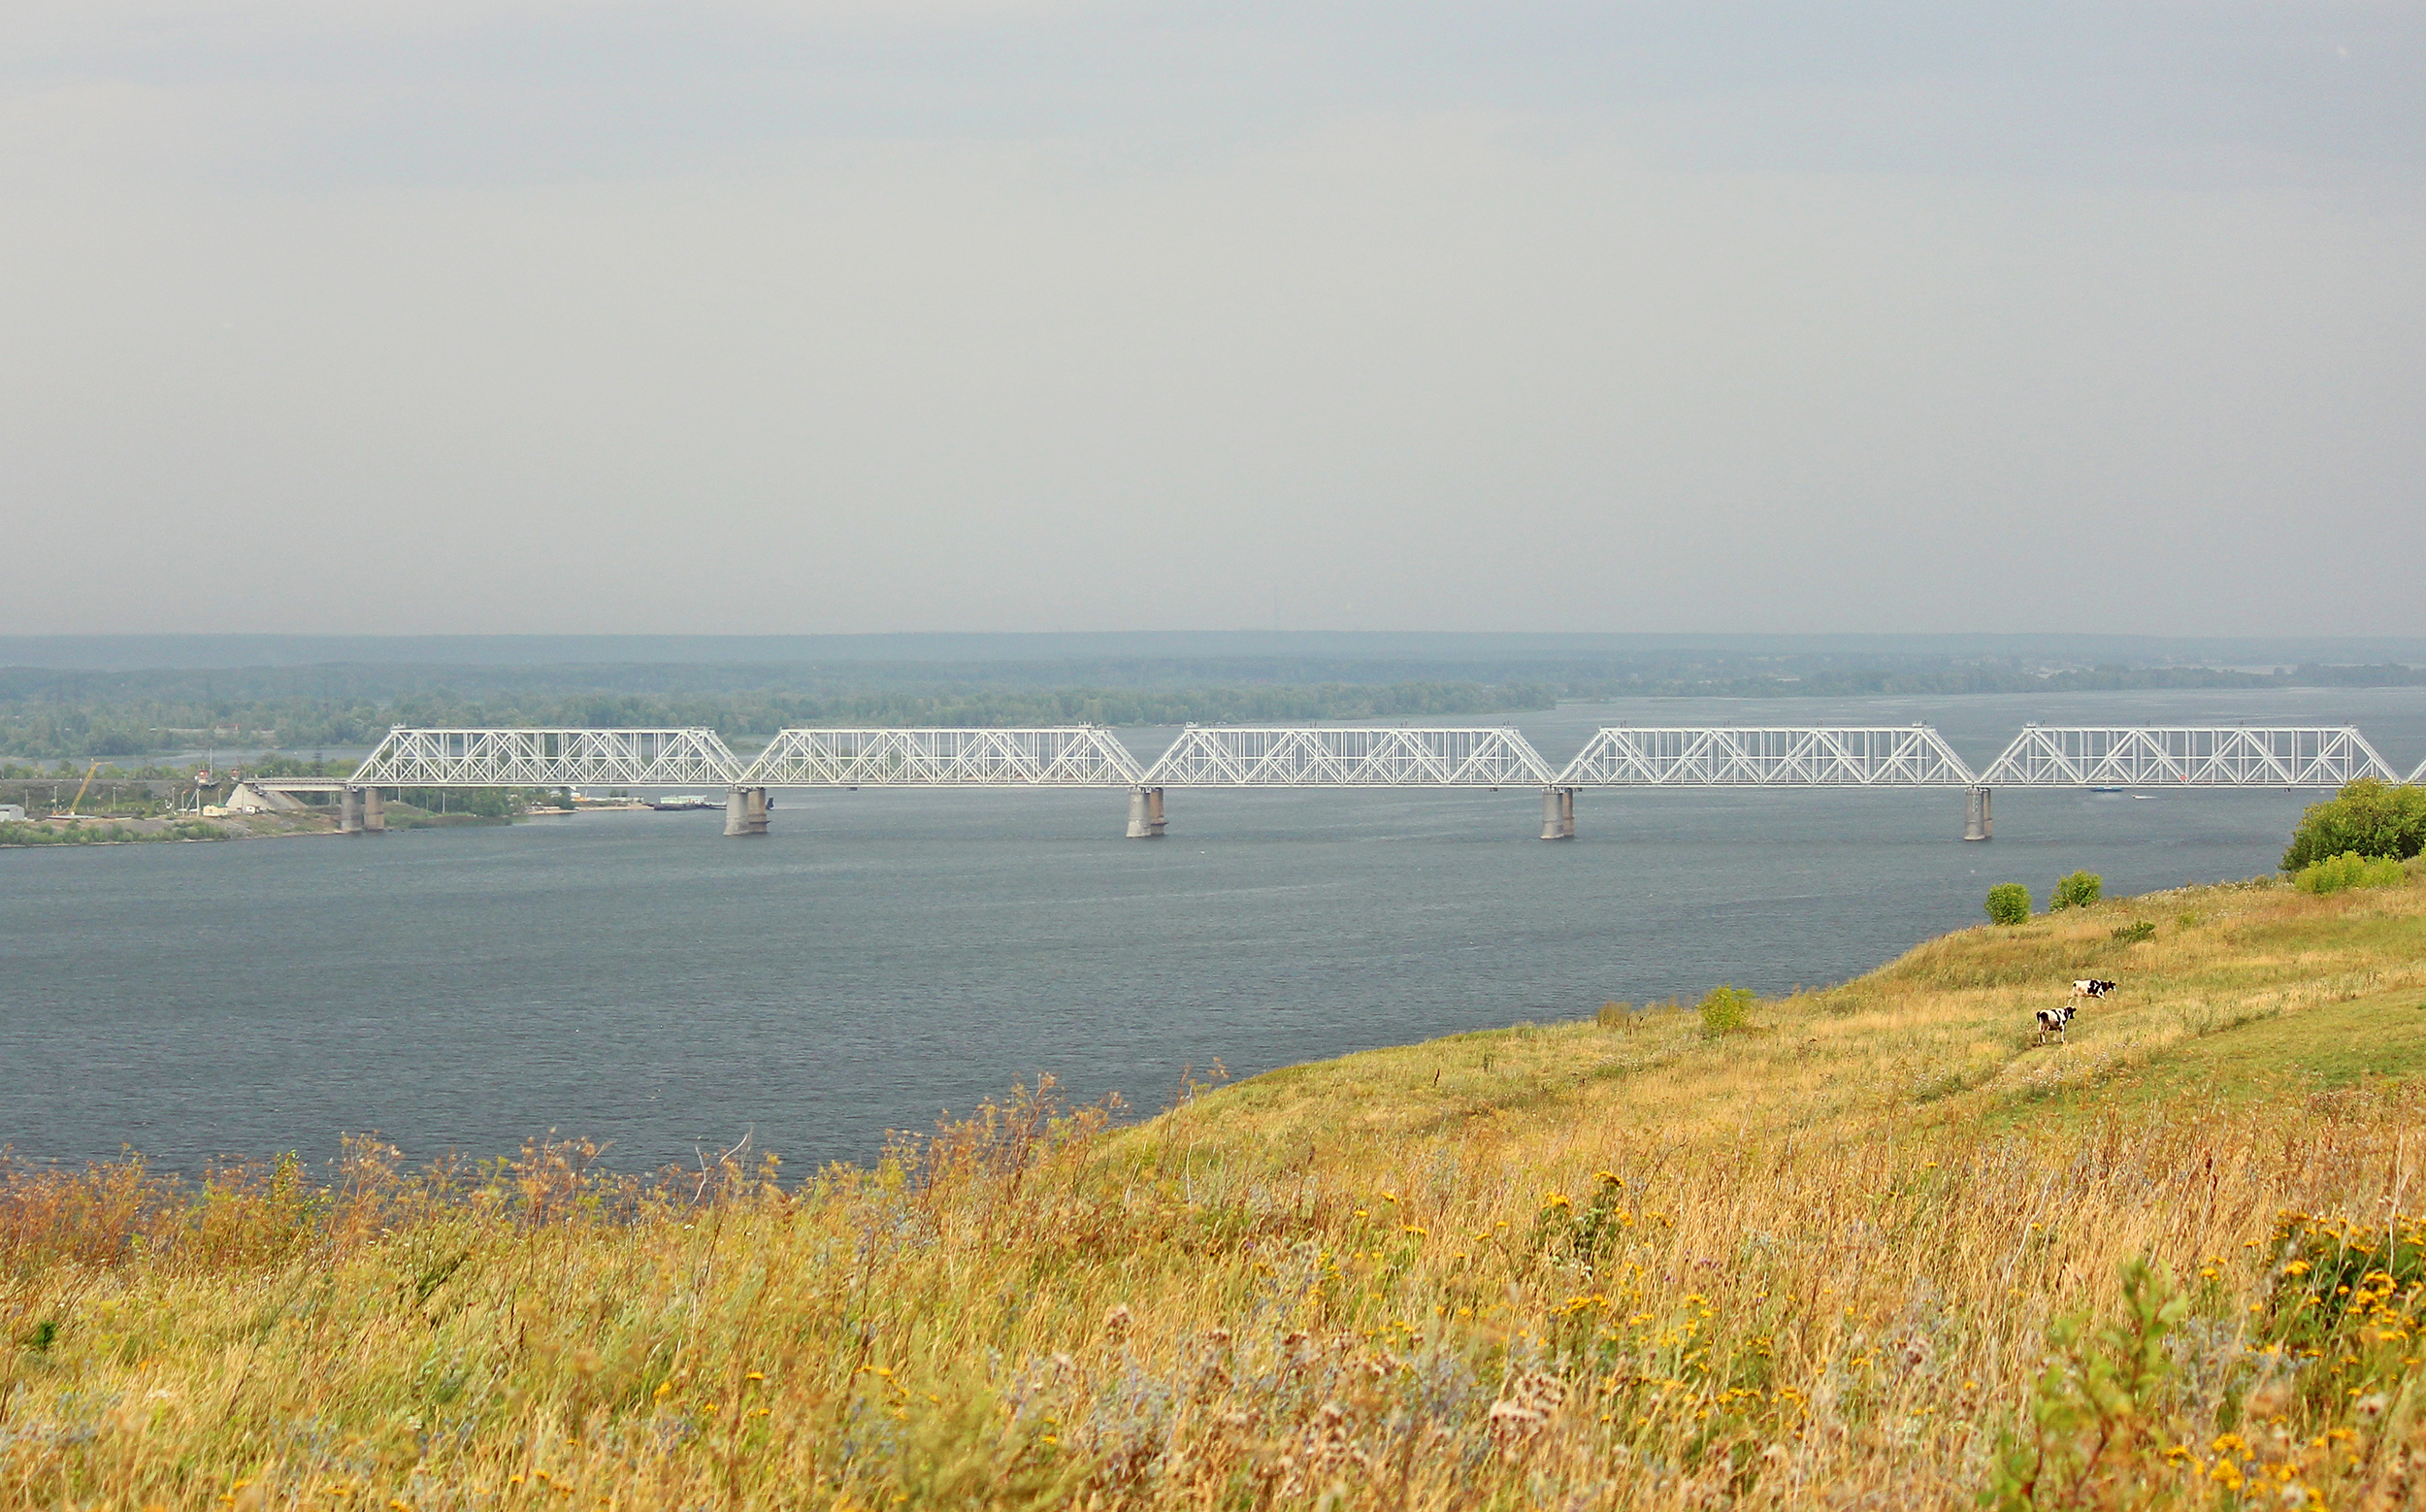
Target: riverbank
[1821, 1258]
[226, 825]
[105, 830]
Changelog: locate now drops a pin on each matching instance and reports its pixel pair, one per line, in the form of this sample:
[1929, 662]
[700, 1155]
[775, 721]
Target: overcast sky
[350, 316]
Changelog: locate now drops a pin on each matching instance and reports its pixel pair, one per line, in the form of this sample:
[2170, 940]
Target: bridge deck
[1768, 756]
[1354, 756]
[1302, 756]
[1065, 756]
[547, 758]
[2186, 756]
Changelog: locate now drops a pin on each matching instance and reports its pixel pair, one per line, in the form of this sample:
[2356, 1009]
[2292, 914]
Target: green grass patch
[2252, 1055]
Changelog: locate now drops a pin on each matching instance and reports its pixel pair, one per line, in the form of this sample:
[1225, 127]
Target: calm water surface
[883, 956]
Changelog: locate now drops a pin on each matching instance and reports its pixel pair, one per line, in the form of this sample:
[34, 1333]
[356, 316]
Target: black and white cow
[2055, 1021]
[2089, 987]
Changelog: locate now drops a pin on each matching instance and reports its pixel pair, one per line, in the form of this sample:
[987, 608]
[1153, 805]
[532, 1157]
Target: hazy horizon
[1439, 652]
[756, 318]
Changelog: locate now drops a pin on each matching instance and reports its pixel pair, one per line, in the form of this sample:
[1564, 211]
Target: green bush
[2009, 902]
[1727, 1010]
[2136, 931]
[2077, 891]
[2366, 818]
[2348, 870]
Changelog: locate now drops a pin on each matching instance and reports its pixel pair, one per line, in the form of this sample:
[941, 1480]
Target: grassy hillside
[2242, 990]
[1875, 1249]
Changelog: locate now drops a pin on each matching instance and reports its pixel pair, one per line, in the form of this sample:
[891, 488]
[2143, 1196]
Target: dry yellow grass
[1822, 1261]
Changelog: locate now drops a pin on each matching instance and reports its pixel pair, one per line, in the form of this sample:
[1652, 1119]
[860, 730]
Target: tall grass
[1715, 1276]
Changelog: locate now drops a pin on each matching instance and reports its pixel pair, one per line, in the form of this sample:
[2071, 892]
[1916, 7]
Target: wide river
[883, 956]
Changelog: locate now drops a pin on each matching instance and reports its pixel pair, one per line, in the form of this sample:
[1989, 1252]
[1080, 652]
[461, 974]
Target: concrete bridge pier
[745, 810]
[1557, 813]
[1979, 815]
[1145, 813]
[350, 812]
[374, 811]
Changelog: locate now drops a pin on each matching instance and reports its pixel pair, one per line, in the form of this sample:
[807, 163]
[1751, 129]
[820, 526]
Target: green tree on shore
[2366, 818]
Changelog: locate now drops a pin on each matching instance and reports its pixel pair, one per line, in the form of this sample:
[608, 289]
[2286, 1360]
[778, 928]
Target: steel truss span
[1768, 756]
[547, 758]
[1071, 756]
[1286, 756]
[2185, 756]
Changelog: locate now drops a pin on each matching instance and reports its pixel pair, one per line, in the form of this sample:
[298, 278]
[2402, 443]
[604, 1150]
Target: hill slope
[2242, 990]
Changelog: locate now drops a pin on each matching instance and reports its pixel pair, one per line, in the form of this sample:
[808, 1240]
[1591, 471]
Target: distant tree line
[1897, 678]
[51, 731]
[47, 714]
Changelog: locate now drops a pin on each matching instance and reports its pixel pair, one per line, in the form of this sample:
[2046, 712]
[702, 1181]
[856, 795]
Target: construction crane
[79, 792]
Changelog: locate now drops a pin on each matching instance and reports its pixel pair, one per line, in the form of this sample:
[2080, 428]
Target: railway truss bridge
[1359, 756]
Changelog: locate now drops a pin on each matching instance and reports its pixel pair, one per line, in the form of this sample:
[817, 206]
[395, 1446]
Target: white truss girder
[2186, 756]
[547, 758]
[1067, 756]
[1374, 756]
[1768, 756]
[1353, 756]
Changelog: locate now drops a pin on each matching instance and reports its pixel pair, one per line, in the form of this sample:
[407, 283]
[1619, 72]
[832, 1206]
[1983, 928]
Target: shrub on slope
[2368, 817]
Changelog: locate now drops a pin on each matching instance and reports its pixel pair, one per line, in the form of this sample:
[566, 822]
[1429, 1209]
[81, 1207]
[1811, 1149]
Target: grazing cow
[2090, 988]
[2055, 1021]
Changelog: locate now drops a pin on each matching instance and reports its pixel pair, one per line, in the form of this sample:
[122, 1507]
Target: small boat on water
[681, 803]
[2110, 790]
